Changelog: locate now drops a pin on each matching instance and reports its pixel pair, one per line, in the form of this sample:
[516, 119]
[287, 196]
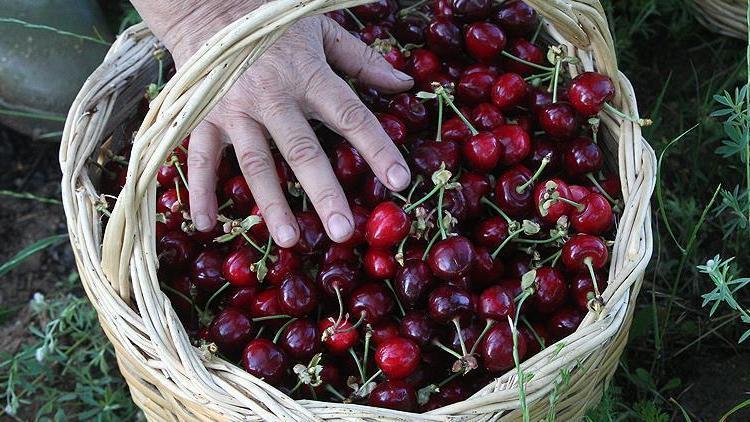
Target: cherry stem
[537, 173]
[398, 301]
[225, 205]
[440, 91]
[215, 295]
[178, 166]
[400, 251]
[441, 226]
[369, 380]
[641, 122]
[487, 325]
[281, 329]
[335, 392]
[304, 201]
[533, 332]
[555, 79]
[429, 246]
[271, 317]
[341, 308]
[368, 335]
[252, 243]
[579, 207]
[407, 10]
[457, 324]
[358, 363]
[539, 241]
[440, 345]
[450, 378]
[527, 63]
[592, 274]
[182, 295]
[177, 190]
[439, 134]
[418, 181]
[507, 240]
[601, 189]
[354, 17]
[497, 209]
[260, 331]
[429, 195]
[362, 316]
[538, 30]
[552, 258]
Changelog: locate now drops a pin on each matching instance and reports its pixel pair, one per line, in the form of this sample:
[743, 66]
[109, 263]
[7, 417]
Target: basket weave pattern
[172, 380]
[726, 17]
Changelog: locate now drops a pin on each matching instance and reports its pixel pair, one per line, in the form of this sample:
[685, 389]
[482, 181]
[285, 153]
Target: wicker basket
[727, 17]
[170, 379]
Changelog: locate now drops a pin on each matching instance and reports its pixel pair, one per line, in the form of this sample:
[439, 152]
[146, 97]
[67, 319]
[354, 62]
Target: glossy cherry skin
[525, 50]
[409, 29]
[410, 110]
[339, 253]
[448, 302]
[237, 267]
[509, 90]
[173, 206]
[471, 10]
[298, 296]
[582, 288]
[342, 339]
[486, 116]
[412, 282]
[474, 186]
[469, 335]
[578, 192]
[496, 348]
[491, 232]
[397, 357]
[312, 237]
[482, 151]
[348, 165]
[241, 298]
[595, 217]
[582, 247]
[168, 174]
[563, 323]
[542, 147]
[181, 302]
[516, 143]
[451, 258]
[516, 17]
[550, 290]
[287, 262]
[266, 303]
[372, 32]
[422, 65]
[373, 12]
[484, 41]
[417, 326]
[175, 250]
[373, 300]
[380, 264]
[341, 276]
[444, 37]
[373, 191]
[485, 270]
[538, 99]
[373, 99]
[300, 339]
[361, 215]
[455, 130]
[384, 331]
[206, 271]
[265, 360]
[239, 192]
[231, 330]
[558, 120]
[343, 19]
[393, 127]
[514, 203]
[581, 156]
[589, 91]
[428, 156]
[394, 394]
[549, 210]
[474, 88]
[496, 303]
[388, 225]
[533, 344]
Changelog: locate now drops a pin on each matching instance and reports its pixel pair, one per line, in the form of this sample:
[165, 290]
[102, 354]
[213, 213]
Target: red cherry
[444, 37]
[168, 174]
[241, 298]
[238, 191]
[175, 250]
[559, 120]
[372, 32]
[453, 69]
[416, 326]
[524, 50]
[394, 394]
[582, 248]
[589, 91]
[485, 270]
[484, 41]
[361, 216]
[509, 90]
[595, 217]
[266, 303]
[538, 98]
[341, 276]
[412, 282]
[300, 339]
[397, 357]
[373, 301]
[533, 345]
[455, 130]
[546, 207]
[577, 192]
[474, 187]
[338, 339]
[422, 64]
[482, 151]
[451, 258]
[231, 330]
[448, 302]
[516, 143]
[409, 109]
[428, 156]
[497, 348]
[384, 331]
[372, 12]
[343, 19]
[563, 323]
[237, 267]
[287, 262]
[497, 304]
[485, 116]
[517, 17]
[550, 290]
[388, 224]
[491, 232]
[373, 99]
[348, 165]
[206, 271]
[581, 156]
[475, 87]
[582, 288]
[312, 234]
[393, 127]
[542, 147]
[373, 191]
[514, 203]
[380, 263]
[297, 296]
[471, 10]
[339, 253]
[266, 360]
[410, 29]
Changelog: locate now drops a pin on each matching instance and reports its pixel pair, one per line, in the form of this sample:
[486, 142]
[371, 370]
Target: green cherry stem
[429, 245]
[579, 207]
[641, 122]
[555, 79]
[335, 392]
[592, 274]
[440, 91]
[533, 332]
[487, 325]
[398, 301]
[178, 166]
[539, 241]
[429, 195]
[443, 233]
[457, 324]
[527, 63]
[521, 188]
[253, 244]
[497, 209]
[418, 181]
[281, 330]
[439, 134]
[215, 295]
[358, 363]
[446, 349]
[601, 189]
[507, 240]
[552, 258]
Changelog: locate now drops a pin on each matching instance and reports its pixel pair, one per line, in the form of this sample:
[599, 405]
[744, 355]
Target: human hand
[291, 83]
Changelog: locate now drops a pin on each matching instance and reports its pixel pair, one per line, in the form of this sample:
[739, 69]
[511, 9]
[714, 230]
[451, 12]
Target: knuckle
[327, 197]
[353, 116]
[255, 162]
[303, 150]
[277, 109]
[273, 208]
[200, 160]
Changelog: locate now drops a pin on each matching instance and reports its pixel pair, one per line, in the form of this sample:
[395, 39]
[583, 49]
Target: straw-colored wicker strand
[727, 17]
[171, 380]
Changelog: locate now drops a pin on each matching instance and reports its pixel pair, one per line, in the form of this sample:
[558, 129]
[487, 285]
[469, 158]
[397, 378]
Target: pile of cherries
[496, 250]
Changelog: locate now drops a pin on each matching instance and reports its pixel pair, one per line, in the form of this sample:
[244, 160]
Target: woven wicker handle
[190, 95]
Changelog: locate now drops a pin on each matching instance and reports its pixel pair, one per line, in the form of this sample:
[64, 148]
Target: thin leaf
[31, 250]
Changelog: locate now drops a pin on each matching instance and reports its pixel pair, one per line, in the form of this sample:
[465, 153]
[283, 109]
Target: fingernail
[401, 76]
[202, 222]
[285, 234]
[339, 227]
[398, 176]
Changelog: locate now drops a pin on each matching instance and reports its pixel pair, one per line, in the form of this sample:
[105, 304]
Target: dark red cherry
[469, 336]
[348, 165]
[231, 330]
[388, 225]
[550, 290]
[595, 217]
[453, 69]
[172, 206]
[484, 41]
[582, 288]
[611, 185]
[524, 50]
[168, 174]
[485, 270]
[442, 8]
[455, 130]
[410, 110]
[373, 191]
[564, 322]
[422, 64]
[582, 248]
[300, 339]
[518, 264]
[342, 18]
[241, 298]
[339, 253]
[412, 282]
[373, 300]
[394, 394]
[410, 29]
[451, 258]
[558, 120]
[393, 127]
[517, 17]
[238, 267]
[538, 98]
[206, 271]
[338, 338]
[448, 302]
[581, 156]
[297, 296]
[497, 348]
[514, 203]
[542, 147]
[474, 88]
[578, 192]
[516, 143]
[589, 91]
[417, 326]
[287, 262]
[361, 216]
[496, 303]
[397, 357]
[341, 276]
[482, 151]
[372, 32]
[491, 232]
[384, 331]
[238, 191]
[471, 10]
[486, 116]
[175, 250]
[455, 203]
[509, 90]
[546, 206]
[373, 99]
[444, 37]
[266, 303]
[474, 187]
[428, 156]
[181, 296]
[372, 12]
[265, 360]
[312, 237]
[380, 263]
[534, 339]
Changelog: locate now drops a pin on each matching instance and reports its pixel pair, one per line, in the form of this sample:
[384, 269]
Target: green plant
[722, 273]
